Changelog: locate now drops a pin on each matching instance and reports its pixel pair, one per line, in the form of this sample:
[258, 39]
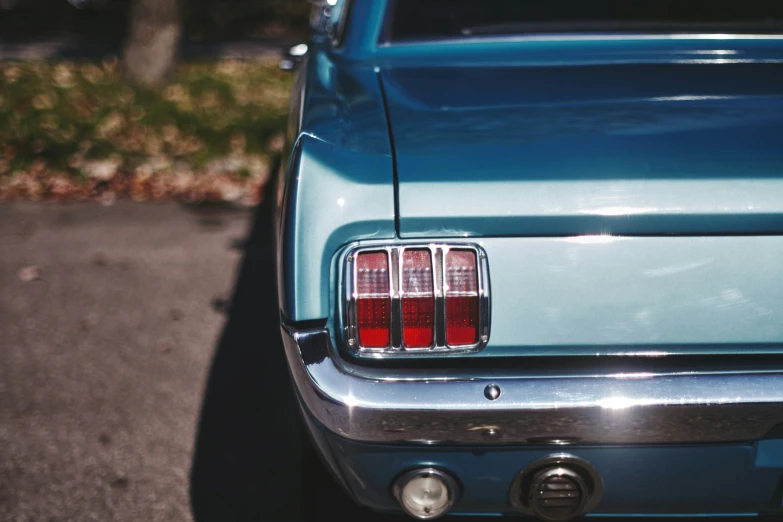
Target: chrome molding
[438, 253]
[454, 489]
[603, 409]
[594, 480]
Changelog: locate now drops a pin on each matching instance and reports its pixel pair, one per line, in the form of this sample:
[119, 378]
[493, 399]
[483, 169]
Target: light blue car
[530, 255]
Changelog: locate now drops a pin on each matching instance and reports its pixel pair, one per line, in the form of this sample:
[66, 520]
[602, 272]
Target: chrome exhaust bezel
[591, 476]
[452, 485]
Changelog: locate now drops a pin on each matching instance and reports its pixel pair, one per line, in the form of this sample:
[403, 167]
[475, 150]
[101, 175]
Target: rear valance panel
[599, 295]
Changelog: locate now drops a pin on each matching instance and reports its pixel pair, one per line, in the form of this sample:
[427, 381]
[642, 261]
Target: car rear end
[577, 306]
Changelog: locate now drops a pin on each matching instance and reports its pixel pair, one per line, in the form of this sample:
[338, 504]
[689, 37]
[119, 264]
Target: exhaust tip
[557, 494]
[557, 488]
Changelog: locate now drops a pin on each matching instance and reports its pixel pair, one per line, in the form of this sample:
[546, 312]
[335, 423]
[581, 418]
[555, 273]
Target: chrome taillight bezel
[438, 252]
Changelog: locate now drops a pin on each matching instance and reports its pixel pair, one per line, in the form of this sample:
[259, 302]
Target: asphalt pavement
[141, 372]
[108, 322]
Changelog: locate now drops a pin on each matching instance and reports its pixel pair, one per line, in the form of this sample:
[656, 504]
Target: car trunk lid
[630, 149]
[626, 208]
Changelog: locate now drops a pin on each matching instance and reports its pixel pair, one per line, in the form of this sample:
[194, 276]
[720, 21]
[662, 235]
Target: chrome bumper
[605, 409]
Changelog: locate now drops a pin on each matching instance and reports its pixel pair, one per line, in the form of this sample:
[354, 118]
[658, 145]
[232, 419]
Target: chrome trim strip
[610, 409]
[438, 251]
[583, 37]
[440, 299]
[595, 481]
[453, 487]
[395, 263]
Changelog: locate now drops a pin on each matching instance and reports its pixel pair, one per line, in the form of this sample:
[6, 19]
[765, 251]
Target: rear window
[411, 20]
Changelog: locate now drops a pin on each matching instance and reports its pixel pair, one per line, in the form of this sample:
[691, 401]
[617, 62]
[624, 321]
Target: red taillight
[373, 299]
[418, 299]
[462, 299]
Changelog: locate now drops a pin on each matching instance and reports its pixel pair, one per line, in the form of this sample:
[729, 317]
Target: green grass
[82, 122]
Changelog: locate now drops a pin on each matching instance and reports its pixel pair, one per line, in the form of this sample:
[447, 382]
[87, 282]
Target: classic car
[530, 255]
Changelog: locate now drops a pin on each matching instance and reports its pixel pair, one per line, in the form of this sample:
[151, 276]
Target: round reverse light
[426, 494]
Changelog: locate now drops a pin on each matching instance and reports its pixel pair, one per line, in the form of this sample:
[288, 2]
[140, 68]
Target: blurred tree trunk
[153, 41]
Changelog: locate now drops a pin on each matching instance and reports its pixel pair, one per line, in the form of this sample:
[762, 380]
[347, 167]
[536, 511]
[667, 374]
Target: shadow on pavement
[253, 460]
[246, 464]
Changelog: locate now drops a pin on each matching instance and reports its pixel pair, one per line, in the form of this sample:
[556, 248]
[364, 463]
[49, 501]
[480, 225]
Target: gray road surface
[103, 360]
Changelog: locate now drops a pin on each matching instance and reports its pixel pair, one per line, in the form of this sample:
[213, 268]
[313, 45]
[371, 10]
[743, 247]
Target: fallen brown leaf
[29, 273]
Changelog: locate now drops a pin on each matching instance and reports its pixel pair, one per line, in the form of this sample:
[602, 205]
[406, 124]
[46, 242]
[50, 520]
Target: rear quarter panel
[338, 186]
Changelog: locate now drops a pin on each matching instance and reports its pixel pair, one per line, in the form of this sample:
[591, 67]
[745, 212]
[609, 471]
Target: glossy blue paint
[604, 295]
[643, 480]
[571, 136]
[769, 454]
[561, 156]
[584, 49]
[339, 187]
[673, 515]
[610, 145]
[365, 25]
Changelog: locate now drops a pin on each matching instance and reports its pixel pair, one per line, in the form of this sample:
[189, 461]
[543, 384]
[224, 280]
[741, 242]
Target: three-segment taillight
[417, 299]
